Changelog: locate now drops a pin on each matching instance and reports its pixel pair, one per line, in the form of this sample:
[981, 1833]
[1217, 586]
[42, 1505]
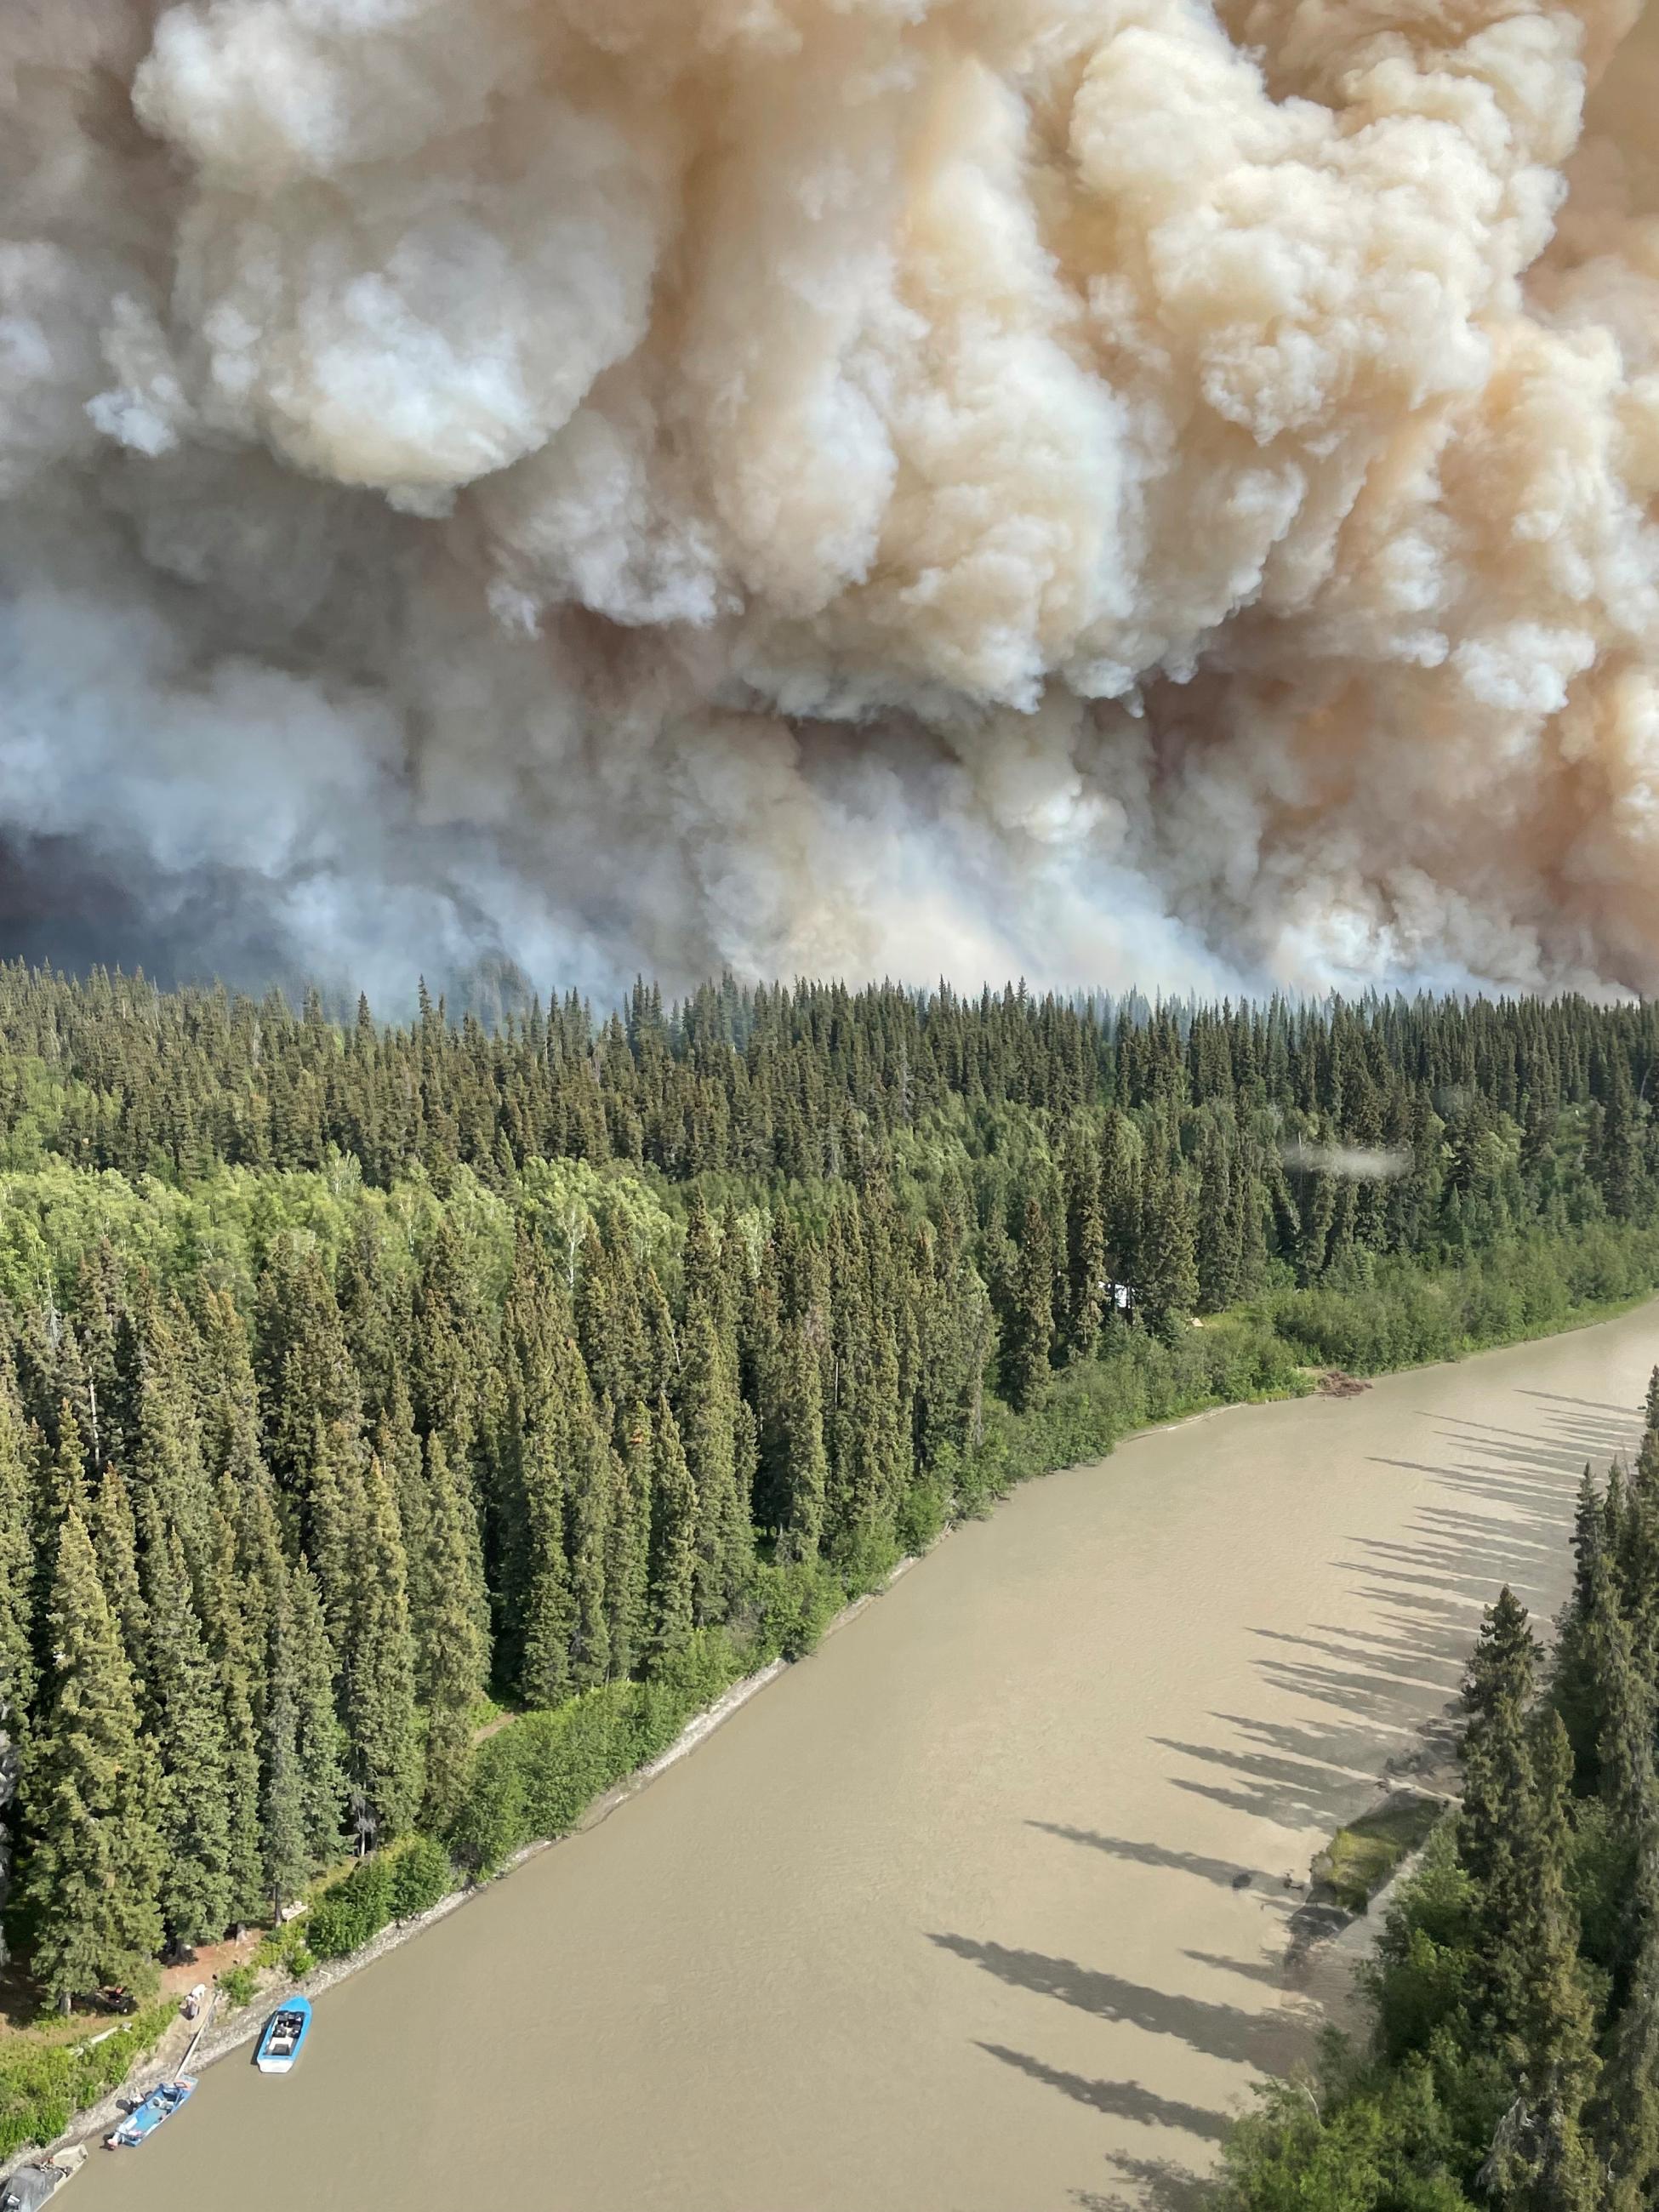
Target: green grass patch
[44, 2084]
[1362, 1857]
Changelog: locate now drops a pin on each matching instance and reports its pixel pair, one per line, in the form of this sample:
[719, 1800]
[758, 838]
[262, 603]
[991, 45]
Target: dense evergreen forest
[1516, 1982]
[361, 1385]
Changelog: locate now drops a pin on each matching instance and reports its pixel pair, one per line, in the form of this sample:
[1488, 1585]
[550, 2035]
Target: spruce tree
[328, 1486]
[261, 1568]
[548, 1616]
[115, 1540]
[18, 1673]
[398, 1448]
[168, 1463]
[450, 1346]
[229, 1393]
[238, 1670]
[377, 1674]
[628, 1539]
[318, 1741]
[287, 1823]
[1497, 1693]
[1085, 1245]
[1543, 2158]
[806, 1464]
[1576, 1688]
[90, 1788]
[1628, 2131]
[1028, 1326]
[1217, 1251]
[303, 1363]
[1625, 1711]
[1166, 1289]
[193, 1808]
[587, 1509]
[63, 1476]
[706, 1411]
[673, 1543]
[453, 1647]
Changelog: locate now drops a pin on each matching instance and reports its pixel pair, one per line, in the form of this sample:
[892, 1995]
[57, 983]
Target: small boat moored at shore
[142, 2122]
[29, 2187]
[285, 2032]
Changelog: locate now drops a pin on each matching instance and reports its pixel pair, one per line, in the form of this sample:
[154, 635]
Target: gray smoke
[1110, 489]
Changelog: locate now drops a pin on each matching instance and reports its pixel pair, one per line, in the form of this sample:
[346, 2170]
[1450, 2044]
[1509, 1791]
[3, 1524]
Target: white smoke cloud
[1112, 489]
[1355, 1162]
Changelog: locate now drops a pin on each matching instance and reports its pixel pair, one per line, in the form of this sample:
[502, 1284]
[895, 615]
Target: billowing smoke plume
[1108, 488]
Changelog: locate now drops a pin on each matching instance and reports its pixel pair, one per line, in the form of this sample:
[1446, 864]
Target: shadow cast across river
[1225, 2032]
[1161, 2185]
[1372, 1699]
[1123, 2100]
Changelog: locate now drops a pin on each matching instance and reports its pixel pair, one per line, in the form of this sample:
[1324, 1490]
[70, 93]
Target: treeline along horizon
[354, 1377]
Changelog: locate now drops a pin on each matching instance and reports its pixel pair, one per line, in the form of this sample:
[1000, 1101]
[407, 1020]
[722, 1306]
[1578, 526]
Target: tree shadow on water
[1161, 2186]
[1226, 1873]
[1120, 2100]
[1224, 2032]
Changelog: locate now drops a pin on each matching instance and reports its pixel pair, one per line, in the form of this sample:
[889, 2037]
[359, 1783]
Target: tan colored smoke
[1104, 487]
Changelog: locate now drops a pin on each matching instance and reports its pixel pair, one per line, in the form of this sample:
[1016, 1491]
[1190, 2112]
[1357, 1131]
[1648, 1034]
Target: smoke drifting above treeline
[1103, 489]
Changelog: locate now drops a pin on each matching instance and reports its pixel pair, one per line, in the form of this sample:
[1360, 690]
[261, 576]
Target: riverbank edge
[244, 2026]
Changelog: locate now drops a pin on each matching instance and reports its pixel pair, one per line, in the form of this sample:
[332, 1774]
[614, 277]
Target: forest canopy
[361, 1384]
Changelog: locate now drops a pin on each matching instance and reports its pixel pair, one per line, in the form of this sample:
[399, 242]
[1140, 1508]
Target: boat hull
[283, 2037]
[28, 2188]
[156, 2109]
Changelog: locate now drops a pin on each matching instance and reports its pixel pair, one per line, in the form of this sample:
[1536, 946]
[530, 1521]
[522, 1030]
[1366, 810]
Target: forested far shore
[1514, 2060]
[364, 1388]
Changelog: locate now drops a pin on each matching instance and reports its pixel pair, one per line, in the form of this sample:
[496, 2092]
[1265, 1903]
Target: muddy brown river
[983, 1907]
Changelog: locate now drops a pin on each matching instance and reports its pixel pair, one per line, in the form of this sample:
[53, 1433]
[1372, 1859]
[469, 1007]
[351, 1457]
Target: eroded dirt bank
[983, 1907]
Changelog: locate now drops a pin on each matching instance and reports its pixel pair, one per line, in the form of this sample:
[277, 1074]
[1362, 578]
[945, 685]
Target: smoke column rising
[1115, 490]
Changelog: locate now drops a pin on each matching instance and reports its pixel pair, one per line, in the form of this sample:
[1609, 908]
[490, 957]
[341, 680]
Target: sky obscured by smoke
[1108, 490]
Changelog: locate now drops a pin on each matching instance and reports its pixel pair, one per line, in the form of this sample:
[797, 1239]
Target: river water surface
[983, 1907]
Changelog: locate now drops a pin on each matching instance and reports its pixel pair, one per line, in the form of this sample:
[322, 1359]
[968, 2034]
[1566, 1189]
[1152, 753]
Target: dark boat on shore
[29, 2187]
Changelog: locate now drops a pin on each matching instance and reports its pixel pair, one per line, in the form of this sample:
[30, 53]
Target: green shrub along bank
[44, 2085]
[537, 1778]
[528, 1782]
[1514, 2061]
[1402, 1315]
[400, 1883]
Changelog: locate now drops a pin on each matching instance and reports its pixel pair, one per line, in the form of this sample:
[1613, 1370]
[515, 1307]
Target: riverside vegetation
[1515, 1985]
[403, 1431]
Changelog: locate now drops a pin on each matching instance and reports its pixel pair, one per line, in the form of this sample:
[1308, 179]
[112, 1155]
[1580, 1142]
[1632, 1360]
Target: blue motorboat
[141, 2123]
[284, 2036]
